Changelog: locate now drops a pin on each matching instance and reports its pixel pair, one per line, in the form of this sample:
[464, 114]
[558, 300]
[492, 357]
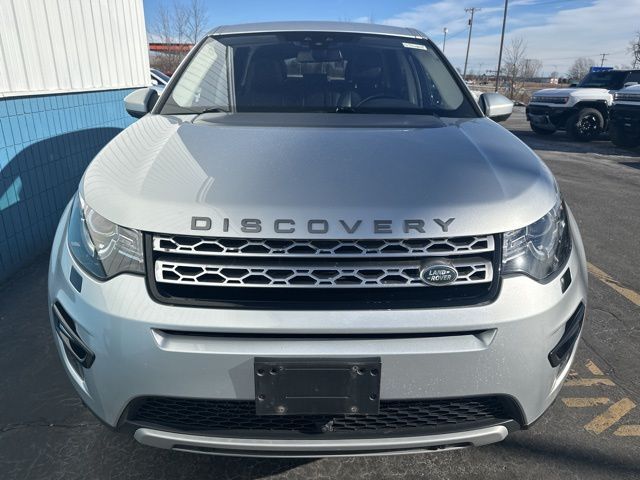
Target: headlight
[626, 97]
[539, 249]
[101, 247]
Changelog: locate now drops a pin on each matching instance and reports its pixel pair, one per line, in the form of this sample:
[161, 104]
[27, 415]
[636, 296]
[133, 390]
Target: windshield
[318, 72]
[610, 80]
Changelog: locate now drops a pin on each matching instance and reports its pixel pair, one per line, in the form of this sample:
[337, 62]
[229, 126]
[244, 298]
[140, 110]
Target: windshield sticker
[414, 45]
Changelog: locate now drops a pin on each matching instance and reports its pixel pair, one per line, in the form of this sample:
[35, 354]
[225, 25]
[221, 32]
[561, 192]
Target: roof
[340, 27]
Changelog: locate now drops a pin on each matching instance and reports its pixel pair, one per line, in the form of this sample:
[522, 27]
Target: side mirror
[140, 102]
[496, 106]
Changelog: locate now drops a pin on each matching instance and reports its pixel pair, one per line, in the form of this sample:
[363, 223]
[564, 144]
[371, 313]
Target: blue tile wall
[46, 142]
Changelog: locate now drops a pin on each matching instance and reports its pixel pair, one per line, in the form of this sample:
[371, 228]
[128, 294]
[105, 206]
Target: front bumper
[319, 448]
[626, 118]
[496, 349]
[549, 117]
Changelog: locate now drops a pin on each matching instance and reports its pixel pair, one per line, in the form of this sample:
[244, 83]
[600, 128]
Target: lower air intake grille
[396, 417]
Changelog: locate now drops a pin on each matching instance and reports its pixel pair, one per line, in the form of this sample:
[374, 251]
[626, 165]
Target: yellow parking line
[593, 368]
[605, 278]
[589, 382]
[609, 418]
[628, 431]
[585, 402]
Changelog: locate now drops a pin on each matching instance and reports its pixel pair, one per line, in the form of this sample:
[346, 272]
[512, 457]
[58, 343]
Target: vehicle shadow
[46, 432]
[560, 142]
[596, 460]
[36, 182]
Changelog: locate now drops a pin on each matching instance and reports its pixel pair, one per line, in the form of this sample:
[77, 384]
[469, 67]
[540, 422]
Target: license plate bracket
[303, 386]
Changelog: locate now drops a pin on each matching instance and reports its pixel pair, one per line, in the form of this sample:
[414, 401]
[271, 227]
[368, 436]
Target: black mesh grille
[401, 417]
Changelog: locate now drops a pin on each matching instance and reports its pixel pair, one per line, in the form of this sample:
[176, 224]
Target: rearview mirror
[319, 55]
[496, 106]
[140, 102]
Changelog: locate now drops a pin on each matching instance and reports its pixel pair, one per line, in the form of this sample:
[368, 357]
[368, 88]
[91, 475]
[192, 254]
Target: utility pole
[604, 56]
[444, 42]
[471, 10]
[504, 25]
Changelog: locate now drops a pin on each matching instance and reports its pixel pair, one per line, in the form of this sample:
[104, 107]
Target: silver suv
[317, 243]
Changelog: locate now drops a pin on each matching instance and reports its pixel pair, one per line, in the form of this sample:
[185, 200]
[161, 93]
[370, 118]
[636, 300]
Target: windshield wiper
[389, 111]
[345, 110]
[209, 110]
[212, 110]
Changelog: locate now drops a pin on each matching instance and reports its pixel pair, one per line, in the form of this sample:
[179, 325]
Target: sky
[555, 31]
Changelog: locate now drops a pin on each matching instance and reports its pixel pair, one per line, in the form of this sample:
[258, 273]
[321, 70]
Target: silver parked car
[158, 78]
[317, 243]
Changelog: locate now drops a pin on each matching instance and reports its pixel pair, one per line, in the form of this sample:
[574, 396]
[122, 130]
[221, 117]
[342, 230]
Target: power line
[573, 57]
[471, 10]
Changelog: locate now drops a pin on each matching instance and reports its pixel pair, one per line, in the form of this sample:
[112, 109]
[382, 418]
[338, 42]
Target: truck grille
[231, 272]
[396, 417]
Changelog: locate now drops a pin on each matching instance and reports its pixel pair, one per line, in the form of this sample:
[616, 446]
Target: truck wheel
[542, 131]
[586, 125]
[622, 139]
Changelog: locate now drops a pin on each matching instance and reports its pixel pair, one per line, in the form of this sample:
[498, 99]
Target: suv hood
[599, 93]
[162, 171]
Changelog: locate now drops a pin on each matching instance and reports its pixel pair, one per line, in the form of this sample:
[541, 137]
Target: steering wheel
[377, 96]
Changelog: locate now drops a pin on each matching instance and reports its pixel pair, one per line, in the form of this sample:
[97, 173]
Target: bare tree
[178, 26]
[531, 68]
[197, 20]
[580, 68]
[634, 50]
[518, 69]
[162, 26]
[514, 56]
[180, 23]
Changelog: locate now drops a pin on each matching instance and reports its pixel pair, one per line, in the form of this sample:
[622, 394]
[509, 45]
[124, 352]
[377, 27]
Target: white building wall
[57, 46]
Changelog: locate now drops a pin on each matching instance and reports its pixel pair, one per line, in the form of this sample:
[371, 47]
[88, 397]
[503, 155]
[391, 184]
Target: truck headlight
[540, 249]
[626, 97]
[101, 247]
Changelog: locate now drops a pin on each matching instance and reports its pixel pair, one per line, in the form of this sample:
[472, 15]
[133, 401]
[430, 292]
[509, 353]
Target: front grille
[396, 417]
[313, 248]
[274, 273]
[539, 110]
[305, 275]
[625, 114]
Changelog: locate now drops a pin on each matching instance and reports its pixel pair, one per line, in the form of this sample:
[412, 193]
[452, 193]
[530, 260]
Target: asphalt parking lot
[591, 432]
